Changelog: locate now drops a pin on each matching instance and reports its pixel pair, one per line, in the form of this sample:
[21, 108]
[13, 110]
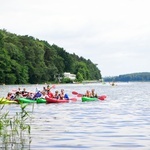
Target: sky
[114, 34]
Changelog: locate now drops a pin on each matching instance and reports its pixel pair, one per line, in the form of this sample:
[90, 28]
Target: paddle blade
[74, 92]
[73, 99]
[53, 86]
[13, 90]
[80, 95]
[102, 97]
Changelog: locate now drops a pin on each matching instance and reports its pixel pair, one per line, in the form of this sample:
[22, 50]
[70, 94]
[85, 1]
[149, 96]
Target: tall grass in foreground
[15, 130]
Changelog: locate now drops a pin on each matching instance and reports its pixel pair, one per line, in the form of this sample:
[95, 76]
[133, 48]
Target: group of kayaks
[50, 100]
[45, 100]
[38, 100]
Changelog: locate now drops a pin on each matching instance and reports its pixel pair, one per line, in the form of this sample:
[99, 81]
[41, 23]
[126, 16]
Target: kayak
[87, 99]
[26, 100]
[54, 100]
[41, 100]
[6, 101]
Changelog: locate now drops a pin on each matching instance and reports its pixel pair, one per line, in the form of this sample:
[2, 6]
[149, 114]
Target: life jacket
[66, 96]
[50, 94]
[38, 94]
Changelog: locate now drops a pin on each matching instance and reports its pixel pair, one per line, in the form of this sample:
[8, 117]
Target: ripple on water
[119, 122]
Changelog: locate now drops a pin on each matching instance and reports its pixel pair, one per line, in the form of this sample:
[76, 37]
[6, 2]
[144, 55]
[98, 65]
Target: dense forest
[25, 59]
[142, 77]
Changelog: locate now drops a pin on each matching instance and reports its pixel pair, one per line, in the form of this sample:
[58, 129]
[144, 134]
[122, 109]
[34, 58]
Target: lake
[121, 122]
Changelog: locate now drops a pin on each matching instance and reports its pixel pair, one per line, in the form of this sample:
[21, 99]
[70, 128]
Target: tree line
[25, 59]
[136, 77]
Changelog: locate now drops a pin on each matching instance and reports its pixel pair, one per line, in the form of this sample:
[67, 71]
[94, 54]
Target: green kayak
[87, 99]
[41, 100]
[26, 100]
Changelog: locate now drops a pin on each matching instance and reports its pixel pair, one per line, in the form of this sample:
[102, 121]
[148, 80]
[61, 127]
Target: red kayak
[54, 100]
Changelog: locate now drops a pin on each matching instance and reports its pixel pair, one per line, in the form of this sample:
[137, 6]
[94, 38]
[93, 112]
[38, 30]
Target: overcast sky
[115, 34]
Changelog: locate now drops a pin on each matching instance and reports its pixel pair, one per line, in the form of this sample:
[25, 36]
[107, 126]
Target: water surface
[122, 121]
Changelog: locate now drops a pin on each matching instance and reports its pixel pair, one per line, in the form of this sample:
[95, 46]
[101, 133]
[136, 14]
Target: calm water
[121, 122]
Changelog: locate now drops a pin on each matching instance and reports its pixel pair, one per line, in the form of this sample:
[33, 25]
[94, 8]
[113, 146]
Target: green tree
[79, 77]
[25, 59]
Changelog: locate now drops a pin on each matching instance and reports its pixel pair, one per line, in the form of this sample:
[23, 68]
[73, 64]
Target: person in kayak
[48, 88]
[24, 92]
[9, 96]
[56, 95]
[88, 93]
[63, 95]
[43, 94]
[44, 89]
[19, 90]
[17, 95]
[37, 95]
[30, 95]
[49, 93]
[93, 94]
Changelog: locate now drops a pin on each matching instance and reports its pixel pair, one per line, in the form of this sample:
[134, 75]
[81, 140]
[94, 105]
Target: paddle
[102, 97]
[77, 94]
[74, 93]
[13, 90]
[53, 86]
[73, 99]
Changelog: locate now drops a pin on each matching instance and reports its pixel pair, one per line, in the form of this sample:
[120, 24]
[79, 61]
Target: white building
[69, 75]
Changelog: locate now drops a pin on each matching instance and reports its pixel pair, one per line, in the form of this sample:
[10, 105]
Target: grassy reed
[15, 129]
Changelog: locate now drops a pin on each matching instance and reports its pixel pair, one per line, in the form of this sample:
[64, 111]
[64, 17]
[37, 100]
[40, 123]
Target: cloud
[110, 33]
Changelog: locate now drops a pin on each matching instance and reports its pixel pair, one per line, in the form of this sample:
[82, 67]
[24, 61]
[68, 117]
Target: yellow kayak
[6, 101]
